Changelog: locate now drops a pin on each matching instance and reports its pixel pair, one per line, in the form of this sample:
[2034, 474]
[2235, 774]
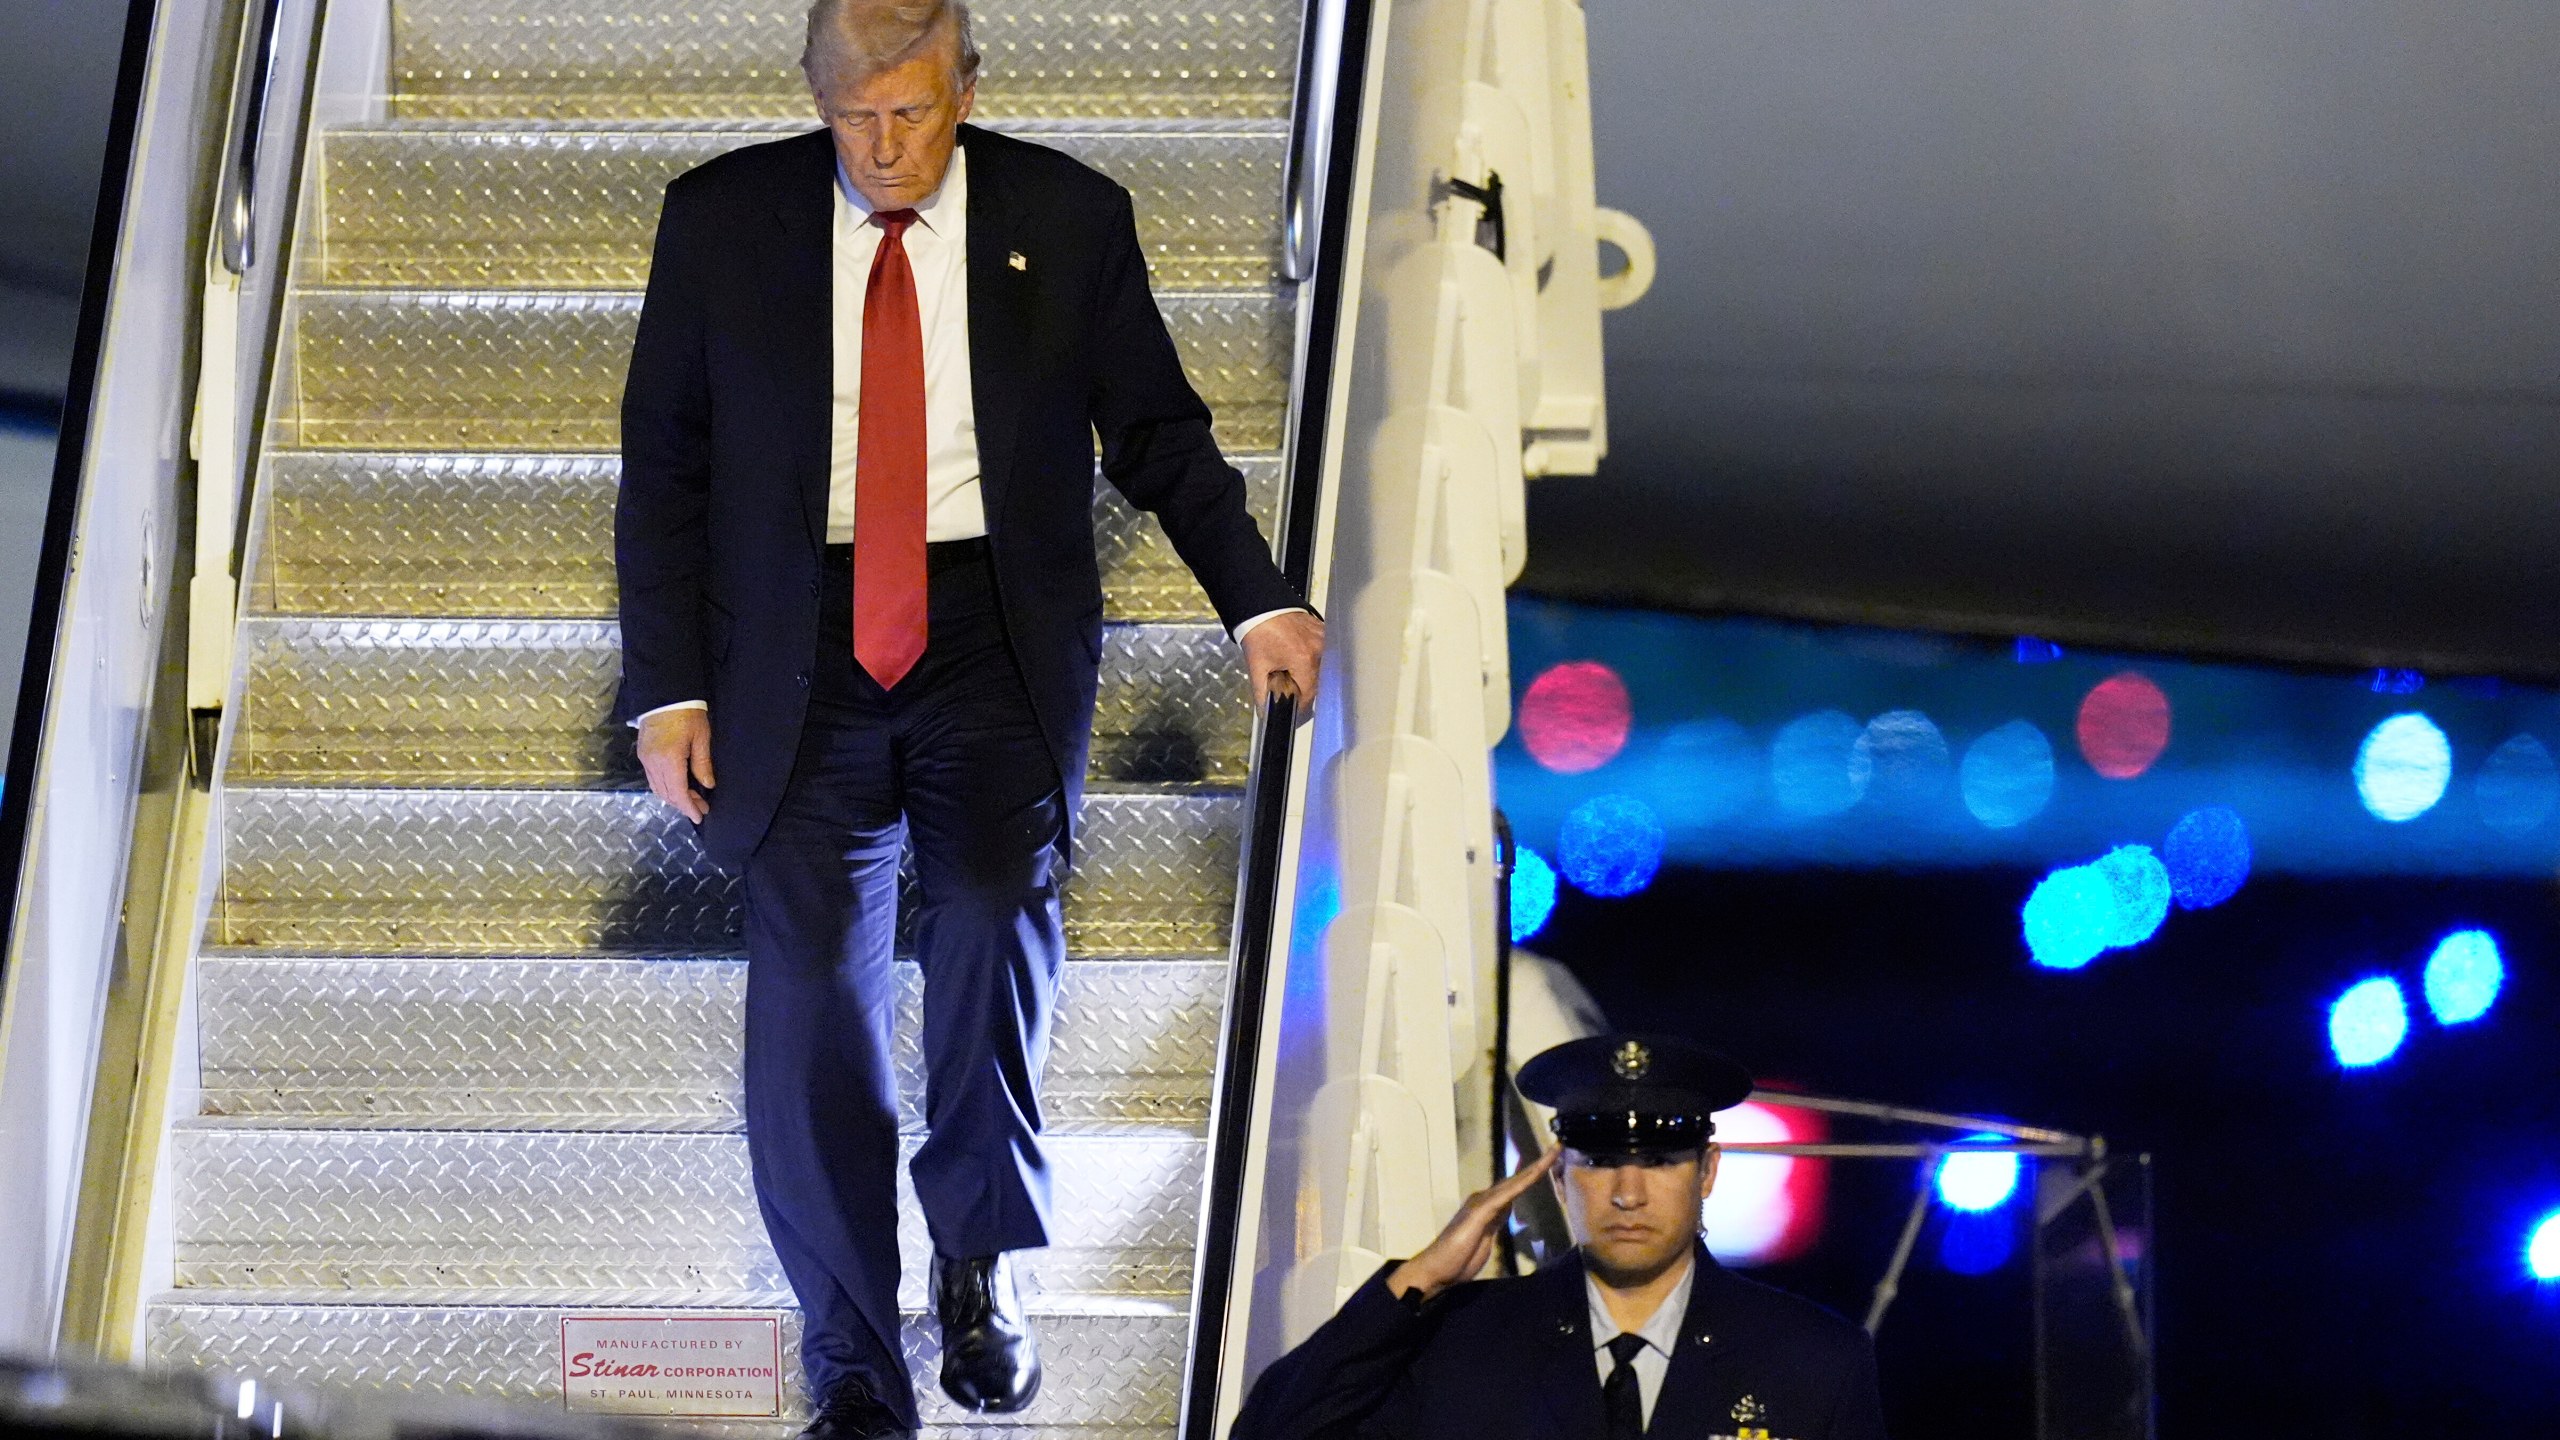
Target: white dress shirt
[937, 248]
[1661, 1334]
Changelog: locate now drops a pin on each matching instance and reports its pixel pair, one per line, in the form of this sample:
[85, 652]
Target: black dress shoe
[990, 1359]
[852, 1412]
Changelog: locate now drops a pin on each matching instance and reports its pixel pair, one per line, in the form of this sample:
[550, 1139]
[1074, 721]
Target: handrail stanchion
[221, 471]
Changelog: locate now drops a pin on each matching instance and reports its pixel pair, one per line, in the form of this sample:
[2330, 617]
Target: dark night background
[2339, 1253]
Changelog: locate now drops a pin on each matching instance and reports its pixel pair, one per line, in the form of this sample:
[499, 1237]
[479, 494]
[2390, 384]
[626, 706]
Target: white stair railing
[1474, 363]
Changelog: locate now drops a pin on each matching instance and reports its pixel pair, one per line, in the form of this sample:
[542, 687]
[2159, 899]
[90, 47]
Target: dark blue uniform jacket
[1500, 1358]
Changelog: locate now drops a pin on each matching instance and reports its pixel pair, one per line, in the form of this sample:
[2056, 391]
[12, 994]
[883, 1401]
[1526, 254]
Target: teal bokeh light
[2068, 917]
[2368, 1022]
[1533, 893]
[2464, 976]
[2518, 786]
[1816, 767]
[2140, 884]
[2403, 767]
[2007, 775]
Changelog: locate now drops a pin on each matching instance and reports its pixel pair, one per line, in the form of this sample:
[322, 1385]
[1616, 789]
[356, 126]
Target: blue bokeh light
[2388, 681]
[1905, 759]
[2542, 1249]
[1816, 767]
[1974, 1182]
[1977, 1244]
[2007, 775]
[2518, 786]
[2464, 976]
[2208, 856]
[1610, 846]
[2068, 917]
[1533, 893]
[1703, 771]
[2368, 1022]
[2142, 893]
[2403, 767]
[1319, 903]
[2034, 650]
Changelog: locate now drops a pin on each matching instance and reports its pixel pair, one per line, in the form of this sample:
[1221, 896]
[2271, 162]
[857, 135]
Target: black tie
[1623, 1395]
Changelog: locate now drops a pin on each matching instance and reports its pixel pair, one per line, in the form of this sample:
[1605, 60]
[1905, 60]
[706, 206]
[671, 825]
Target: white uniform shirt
[1661, 1334]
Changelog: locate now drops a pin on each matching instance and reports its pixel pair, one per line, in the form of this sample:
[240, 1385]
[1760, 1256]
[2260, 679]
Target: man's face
[1635, 1214]
[895, 131]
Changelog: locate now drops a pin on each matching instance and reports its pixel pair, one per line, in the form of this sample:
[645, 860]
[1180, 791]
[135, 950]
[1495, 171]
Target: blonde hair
[852, 40]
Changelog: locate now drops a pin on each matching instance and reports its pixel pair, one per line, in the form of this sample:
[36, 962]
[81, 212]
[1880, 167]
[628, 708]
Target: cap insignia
[1748, 1409]
[1631, 1060]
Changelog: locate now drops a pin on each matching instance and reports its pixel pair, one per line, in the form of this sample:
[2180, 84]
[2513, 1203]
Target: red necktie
[888, 467]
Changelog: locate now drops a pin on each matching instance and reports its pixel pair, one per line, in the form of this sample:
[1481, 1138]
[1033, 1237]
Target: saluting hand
[1464, 1247]
[1292, 643]
[675, 751]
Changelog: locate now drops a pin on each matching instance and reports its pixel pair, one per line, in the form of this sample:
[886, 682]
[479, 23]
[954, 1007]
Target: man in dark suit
[859, 586]
[1639, 1332]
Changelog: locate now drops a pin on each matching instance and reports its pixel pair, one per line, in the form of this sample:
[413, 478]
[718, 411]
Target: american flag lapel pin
[1014, 259]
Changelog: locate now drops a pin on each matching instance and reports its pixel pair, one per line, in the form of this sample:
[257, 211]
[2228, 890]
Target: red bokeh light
[1766, 1208]
[1575, 716]
[2124, 725]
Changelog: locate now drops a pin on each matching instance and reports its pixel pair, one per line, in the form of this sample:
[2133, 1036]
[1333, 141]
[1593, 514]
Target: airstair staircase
[468, 999]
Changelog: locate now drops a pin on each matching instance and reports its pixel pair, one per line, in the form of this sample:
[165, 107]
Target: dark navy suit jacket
[726, 429]
[1500, 1358]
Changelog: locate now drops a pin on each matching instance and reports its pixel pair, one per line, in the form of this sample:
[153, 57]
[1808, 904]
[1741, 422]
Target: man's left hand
[1293, 643]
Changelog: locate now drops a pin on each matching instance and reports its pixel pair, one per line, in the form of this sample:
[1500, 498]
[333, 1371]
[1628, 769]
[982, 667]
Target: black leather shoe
[852, 1412]
[990, 1358]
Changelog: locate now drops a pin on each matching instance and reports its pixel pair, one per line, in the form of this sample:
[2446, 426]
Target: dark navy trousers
[953, 763]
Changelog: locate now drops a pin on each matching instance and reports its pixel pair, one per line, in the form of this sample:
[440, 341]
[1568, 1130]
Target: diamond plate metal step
[1107, 1365]
[426, 1217]
[507, 207]
[530, 982]
[543, 370]
[532, 535]
[512, 59]
[529, 703]
[603, 1044]
[443, 702]
[535, 872]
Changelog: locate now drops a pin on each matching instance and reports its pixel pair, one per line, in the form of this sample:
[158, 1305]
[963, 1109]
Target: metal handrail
[1324, 125]
[1239, 1057]
[1319, 187]
[1308, 110]
[236, 198]
[1932, 1119]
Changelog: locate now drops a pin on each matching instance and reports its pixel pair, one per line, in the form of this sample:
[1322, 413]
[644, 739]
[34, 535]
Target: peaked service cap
[1633, 1094]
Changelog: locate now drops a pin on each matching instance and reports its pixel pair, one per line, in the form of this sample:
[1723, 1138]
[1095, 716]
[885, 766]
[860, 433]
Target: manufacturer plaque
[728, 1366]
